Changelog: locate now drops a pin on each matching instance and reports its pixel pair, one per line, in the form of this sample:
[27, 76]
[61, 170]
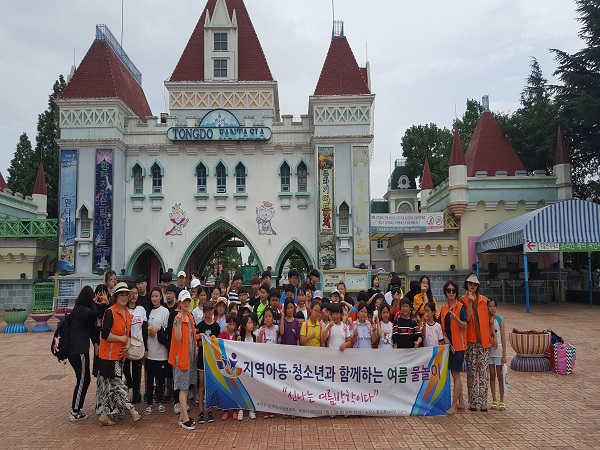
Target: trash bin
[557, 293]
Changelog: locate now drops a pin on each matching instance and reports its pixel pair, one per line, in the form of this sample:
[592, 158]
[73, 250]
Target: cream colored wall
[436, 254]
[17, 264]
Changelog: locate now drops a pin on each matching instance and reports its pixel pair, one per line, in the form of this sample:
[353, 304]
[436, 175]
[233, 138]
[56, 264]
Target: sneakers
[201, 418]
[189, 425]
[148, 411]
[266, 415]
[211, 418]
[225, 415]
[76, 416]
[252, 415]
[240, 415]
[196, 400]
[161, 408]
[176, 408]
[234, 415]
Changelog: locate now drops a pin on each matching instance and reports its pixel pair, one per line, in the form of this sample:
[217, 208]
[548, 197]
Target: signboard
[315, 381]
[407, 223]
[355, 281]
[361, 239]
[103, 209]
[555, 247]
[326, 224]
[219, 125]
[67, 208]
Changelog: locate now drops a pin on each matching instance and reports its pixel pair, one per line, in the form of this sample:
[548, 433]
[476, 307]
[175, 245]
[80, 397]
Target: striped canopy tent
[570, 221]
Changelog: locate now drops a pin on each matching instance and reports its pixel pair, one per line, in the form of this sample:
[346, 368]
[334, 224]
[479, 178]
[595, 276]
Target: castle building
[144, 194]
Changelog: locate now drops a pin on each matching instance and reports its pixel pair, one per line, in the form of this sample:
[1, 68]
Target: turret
[40, 193]
[457, 183]
[562, 168]
[426, 186]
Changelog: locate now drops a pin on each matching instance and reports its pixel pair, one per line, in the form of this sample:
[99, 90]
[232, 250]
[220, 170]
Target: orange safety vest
[179, 351]
[109, 351]
[484, 321]
[458, 336]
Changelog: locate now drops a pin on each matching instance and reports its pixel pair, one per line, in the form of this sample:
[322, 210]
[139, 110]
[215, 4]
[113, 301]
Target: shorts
[495, 361]
[455, 363]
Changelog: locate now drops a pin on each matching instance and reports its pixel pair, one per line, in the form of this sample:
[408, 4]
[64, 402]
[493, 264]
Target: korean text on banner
[309, 382]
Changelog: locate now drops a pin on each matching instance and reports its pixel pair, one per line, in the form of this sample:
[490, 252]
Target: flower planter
[15, 321]
[41, 322]
[530, 348]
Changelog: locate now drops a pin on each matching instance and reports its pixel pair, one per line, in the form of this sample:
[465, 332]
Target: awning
[568, 221]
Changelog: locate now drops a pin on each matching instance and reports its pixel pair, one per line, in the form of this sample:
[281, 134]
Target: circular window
[405, 207]
[403, 182]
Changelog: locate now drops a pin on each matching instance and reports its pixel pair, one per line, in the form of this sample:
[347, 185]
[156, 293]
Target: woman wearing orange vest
[479, 339]
[454, 325]
[112, 395]
[182, 356]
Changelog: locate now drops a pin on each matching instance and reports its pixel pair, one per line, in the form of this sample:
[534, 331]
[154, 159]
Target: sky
[426, 57]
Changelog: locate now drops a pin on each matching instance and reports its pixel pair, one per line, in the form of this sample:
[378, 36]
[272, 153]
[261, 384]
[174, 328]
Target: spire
[252, 64]
[561, 154]
[40, 182]
[426, 181]
[340, 74]
[489, 150]
[3, 184]
[102, 74]
[457, 157]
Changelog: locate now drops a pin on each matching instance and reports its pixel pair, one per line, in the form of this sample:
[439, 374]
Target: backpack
[62, 339]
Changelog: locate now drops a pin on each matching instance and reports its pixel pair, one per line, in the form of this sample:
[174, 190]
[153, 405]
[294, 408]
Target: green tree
[431, 142]
[46, 148]
[579, 98]
[231, 259]
[21, 177]
[532, 128]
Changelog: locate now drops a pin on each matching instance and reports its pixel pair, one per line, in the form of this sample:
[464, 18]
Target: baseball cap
[184, 295]
[181, 273]
[195, 283]
[208, 305]
[318, 294]
[335, 291]
[221, 300]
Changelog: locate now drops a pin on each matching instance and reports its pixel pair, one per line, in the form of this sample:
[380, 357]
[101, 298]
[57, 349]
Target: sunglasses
[451, 291]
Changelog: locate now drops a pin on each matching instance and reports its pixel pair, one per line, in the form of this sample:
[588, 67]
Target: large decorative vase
[530, 348]
[15, 321]
[41, 322]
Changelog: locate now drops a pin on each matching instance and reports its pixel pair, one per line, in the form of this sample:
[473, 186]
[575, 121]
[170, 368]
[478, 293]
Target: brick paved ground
[544, 410]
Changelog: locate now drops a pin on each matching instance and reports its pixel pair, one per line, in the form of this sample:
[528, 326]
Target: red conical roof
[3, 184]
[489, 149]
[101, 74]
[40, 182]
[426, 181]
[340, 74]
[457, 157]
[252, 64]
[561, 154]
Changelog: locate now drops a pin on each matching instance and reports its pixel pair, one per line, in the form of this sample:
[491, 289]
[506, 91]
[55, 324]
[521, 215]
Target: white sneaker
[176, 408]
[161, 408]
[148, 411]
[241, 415]
[252, 415]
[76, 416]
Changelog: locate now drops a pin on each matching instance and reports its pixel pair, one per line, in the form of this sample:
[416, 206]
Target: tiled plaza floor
[544, 410]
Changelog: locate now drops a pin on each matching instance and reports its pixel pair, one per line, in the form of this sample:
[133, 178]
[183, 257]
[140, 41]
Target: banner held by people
[310, 382]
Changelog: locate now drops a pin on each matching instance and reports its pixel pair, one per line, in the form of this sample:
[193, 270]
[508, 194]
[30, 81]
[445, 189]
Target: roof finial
[485, 103]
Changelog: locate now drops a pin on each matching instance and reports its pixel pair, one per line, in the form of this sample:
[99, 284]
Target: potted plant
[15, 320]
[60, 312]
[41, 317]
[530, 347]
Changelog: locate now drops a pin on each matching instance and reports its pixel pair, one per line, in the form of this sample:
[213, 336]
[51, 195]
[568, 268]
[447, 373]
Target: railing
[43, 296]
[104, 34]
[29, 228]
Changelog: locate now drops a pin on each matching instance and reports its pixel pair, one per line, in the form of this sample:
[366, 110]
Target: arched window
[138, 179]
[405, 207]
[85, 224]
[240, 178]
[302, 177]
[201, 174]
[344, 216]
[284, 174]
[157, 176]
[221, 174]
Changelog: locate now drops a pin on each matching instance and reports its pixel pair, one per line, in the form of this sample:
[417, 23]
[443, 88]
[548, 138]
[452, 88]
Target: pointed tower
[457, 183]
[40, 193]
[562, 168]
[489, 150]
[223, 66]
[342, 113]
[3, 184]
[426, 186]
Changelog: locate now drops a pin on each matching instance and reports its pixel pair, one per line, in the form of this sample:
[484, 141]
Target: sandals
[105, 421]
[135, 415]
[494, 404]
[501, 406]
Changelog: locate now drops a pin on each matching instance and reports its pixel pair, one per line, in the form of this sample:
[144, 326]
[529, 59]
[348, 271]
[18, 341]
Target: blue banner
[67, 208]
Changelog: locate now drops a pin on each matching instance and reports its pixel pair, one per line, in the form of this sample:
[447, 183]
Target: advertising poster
[326, 208]
[360, 206]
[103, 201]
[67, 209]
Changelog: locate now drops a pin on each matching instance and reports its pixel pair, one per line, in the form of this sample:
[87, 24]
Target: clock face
[405, 208]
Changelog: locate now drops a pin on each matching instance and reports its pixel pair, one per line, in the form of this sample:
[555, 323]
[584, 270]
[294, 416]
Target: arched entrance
[213, 238]
[147, 260]
[298, 257]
